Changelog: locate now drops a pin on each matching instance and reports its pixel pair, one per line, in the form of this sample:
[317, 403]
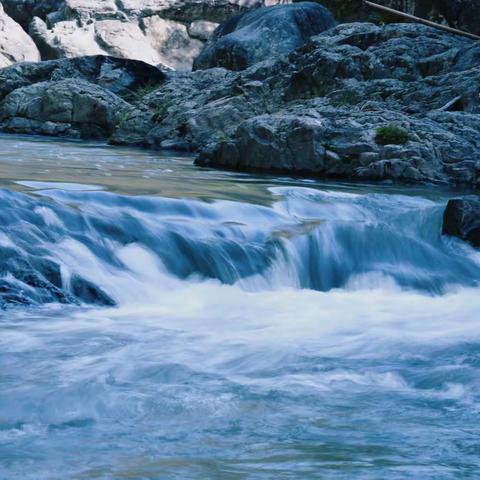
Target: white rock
[126, 40]
[15, 44]
[70, 40]
[171, 40]
[202, 29]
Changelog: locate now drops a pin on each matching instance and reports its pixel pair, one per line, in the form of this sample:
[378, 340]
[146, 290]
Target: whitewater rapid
[282, 329]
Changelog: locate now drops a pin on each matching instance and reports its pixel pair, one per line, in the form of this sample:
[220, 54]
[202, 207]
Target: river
[162, 321]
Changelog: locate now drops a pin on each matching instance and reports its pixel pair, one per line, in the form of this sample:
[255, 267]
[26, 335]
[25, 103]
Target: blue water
[166, 322]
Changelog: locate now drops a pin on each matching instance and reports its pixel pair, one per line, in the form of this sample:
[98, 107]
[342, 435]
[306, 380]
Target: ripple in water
[321, 334]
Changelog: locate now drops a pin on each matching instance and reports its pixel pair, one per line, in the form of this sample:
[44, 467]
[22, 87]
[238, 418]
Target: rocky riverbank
[399, 101]
[358, 101]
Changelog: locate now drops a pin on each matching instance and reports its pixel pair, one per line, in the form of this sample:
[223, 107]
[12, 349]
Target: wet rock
[87, 292]
[462, 219]
[262, 34]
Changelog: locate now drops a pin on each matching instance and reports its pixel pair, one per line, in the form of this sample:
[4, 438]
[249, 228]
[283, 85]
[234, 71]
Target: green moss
[391, 135]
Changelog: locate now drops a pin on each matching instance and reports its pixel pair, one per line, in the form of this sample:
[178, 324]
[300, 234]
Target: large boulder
[121, 76]
[263, 34]
[462, 219]
[15, 44]
[71, 107]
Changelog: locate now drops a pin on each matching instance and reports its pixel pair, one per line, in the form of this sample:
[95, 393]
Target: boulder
[263, 34]
[71, 107]
[172, 42]
[462, 219]
[120, 76]
[15, 44]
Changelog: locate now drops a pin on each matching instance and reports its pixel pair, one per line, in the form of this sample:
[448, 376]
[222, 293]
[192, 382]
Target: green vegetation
[160, 111]
[391, 135]
[145, 90]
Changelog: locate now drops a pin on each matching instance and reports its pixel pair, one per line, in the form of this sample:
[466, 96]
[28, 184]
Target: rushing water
[167, 322]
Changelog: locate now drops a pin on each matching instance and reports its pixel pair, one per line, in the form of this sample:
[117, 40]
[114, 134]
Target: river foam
[280, 331]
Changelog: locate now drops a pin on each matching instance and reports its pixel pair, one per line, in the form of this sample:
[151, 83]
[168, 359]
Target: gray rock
[462, 219]
[122, 77]
[352, 80]
[70, 107]
[315, 110]
[262, 34]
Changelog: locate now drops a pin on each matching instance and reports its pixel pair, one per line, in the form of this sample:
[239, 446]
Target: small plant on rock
[391, 135]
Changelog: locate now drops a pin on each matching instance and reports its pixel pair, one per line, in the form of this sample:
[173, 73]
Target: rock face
[15, 44]
[167, 33]
[462, 219]
[262, 34]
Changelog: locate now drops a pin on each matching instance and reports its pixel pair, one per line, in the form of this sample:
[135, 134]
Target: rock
[315, 110]
[65, 40]
[175, 48]
[461, 14]
[202, 29]
[334, 93]
[330, 142]
[15, 44]
[262, 34]
[153, 31]
[70, 107]
[462, 219]
[122, 77]
[125, 40]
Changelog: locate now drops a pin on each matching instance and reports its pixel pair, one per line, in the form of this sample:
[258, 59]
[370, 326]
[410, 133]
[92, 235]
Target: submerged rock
[262, 34]
[462, 219]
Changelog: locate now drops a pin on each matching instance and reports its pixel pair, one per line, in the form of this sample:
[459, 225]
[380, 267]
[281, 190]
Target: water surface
[262, 327]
